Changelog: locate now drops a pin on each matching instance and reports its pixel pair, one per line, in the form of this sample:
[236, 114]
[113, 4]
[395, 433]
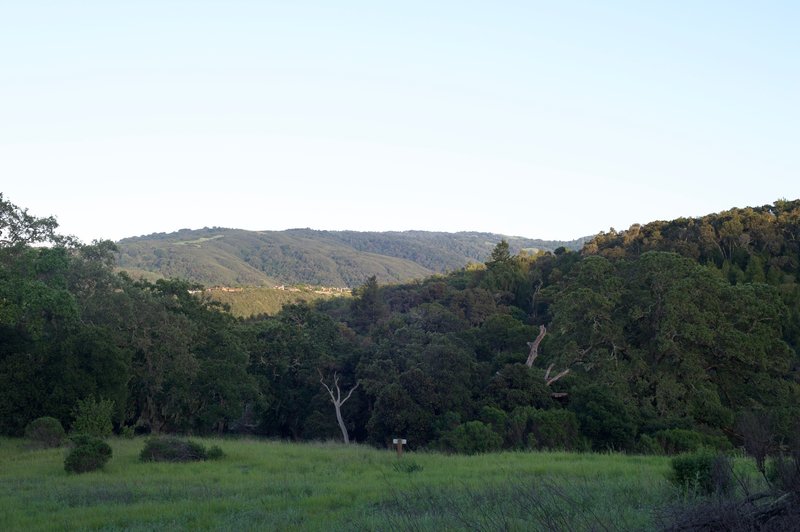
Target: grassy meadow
[252, 300]
[268, 485]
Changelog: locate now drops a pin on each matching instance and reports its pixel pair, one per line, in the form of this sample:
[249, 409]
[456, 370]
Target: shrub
[784, 473]
[471, 438]
[495, 418]
[604, 418]
[93, 417]
[519, 426]
[705, 472]
[677, 441]
[90, 453]
[758, 438]
[169, 449]
[45, 432]
[215, 453]
[648, 445]
[556, 429]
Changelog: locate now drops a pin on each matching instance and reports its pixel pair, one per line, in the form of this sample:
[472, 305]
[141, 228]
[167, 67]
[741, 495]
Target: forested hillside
[232, 257]
[656, 339]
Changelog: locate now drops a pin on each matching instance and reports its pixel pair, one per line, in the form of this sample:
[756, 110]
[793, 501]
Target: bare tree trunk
[338, 402]
[534, 353]
[535, 346]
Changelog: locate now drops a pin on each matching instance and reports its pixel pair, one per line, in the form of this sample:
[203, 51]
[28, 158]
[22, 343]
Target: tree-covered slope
[609, 348]
[331, 258]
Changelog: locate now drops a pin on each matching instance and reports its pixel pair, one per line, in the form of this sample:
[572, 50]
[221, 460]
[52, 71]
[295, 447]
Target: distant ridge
[235, 257]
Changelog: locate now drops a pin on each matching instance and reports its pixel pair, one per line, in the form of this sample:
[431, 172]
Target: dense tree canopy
[687, 325]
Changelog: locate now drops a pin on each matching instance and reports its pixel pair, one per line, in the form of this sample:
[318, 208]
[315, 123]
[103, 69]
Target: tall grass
[285, 486]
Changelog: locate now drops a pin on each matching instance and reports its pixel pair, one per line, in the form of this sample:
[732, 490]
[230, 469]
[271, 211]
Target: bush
[45, 432]
[471, 438]
[90, 453]
[784, 473]
[495, 418]
[169, 449]
[604, 418]
[93, 417]
[215, 453]
[556, 429]
[648, 445]
[704, 472]
[519, 426]
[677, 441]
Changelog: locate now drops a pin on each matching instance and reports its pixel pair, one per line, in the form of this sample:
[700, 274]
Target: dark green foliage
[784, 472]
[367, 307]
[170, 449]
[659, 336]
[45, 432]
[215, 453]
[472, 437]
[703, 472]
[88, 454]
[758, 435]
[495, 418]
[604, 418]
[677, 441]
[531, 428]
[647, 445]
[93, 417]
[556, 430]
[517, 385]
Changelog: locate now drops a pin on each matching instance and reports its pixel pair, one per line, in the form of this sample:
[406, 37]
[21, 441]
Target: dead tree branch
[534, 352]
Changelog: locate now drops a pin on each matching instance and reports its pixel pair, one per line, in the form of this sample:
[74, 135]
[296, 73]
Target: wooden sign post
[399, 442]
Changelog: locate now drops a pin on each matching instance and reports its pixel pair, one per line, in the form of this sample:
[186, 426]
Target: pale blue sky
[541, 119]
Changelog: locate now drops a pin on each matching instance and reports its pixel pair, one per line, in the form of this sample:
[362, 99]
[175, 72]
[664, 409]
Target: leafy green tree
[604, 418]
[500, 254]
[367, 307]
[19, 228]
[517, 385]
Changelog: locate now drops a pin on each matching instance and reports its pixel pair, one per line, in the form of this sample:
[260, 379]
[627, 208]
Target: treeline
[625, 345]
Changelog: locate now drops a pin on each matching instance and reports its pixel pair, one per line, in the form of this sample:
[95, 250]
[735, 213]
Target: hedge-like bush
[704, 472]
[90, 453]
[93, 417]
[170, 449]
[472, 437]
[676, 441]
[45, 432]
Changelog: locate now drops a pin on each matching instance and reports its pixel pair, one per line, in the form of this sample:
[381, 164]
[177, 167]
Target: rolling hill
[234, 257]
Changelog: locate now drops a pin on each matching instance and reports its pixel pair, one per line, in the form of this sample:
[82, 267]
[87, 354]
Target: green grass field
[267, 485]
[252, 300]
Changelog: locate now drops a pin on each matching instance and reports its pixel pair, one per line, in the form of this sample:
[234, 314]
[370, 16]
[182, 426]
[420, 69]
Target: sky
[549, 120]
